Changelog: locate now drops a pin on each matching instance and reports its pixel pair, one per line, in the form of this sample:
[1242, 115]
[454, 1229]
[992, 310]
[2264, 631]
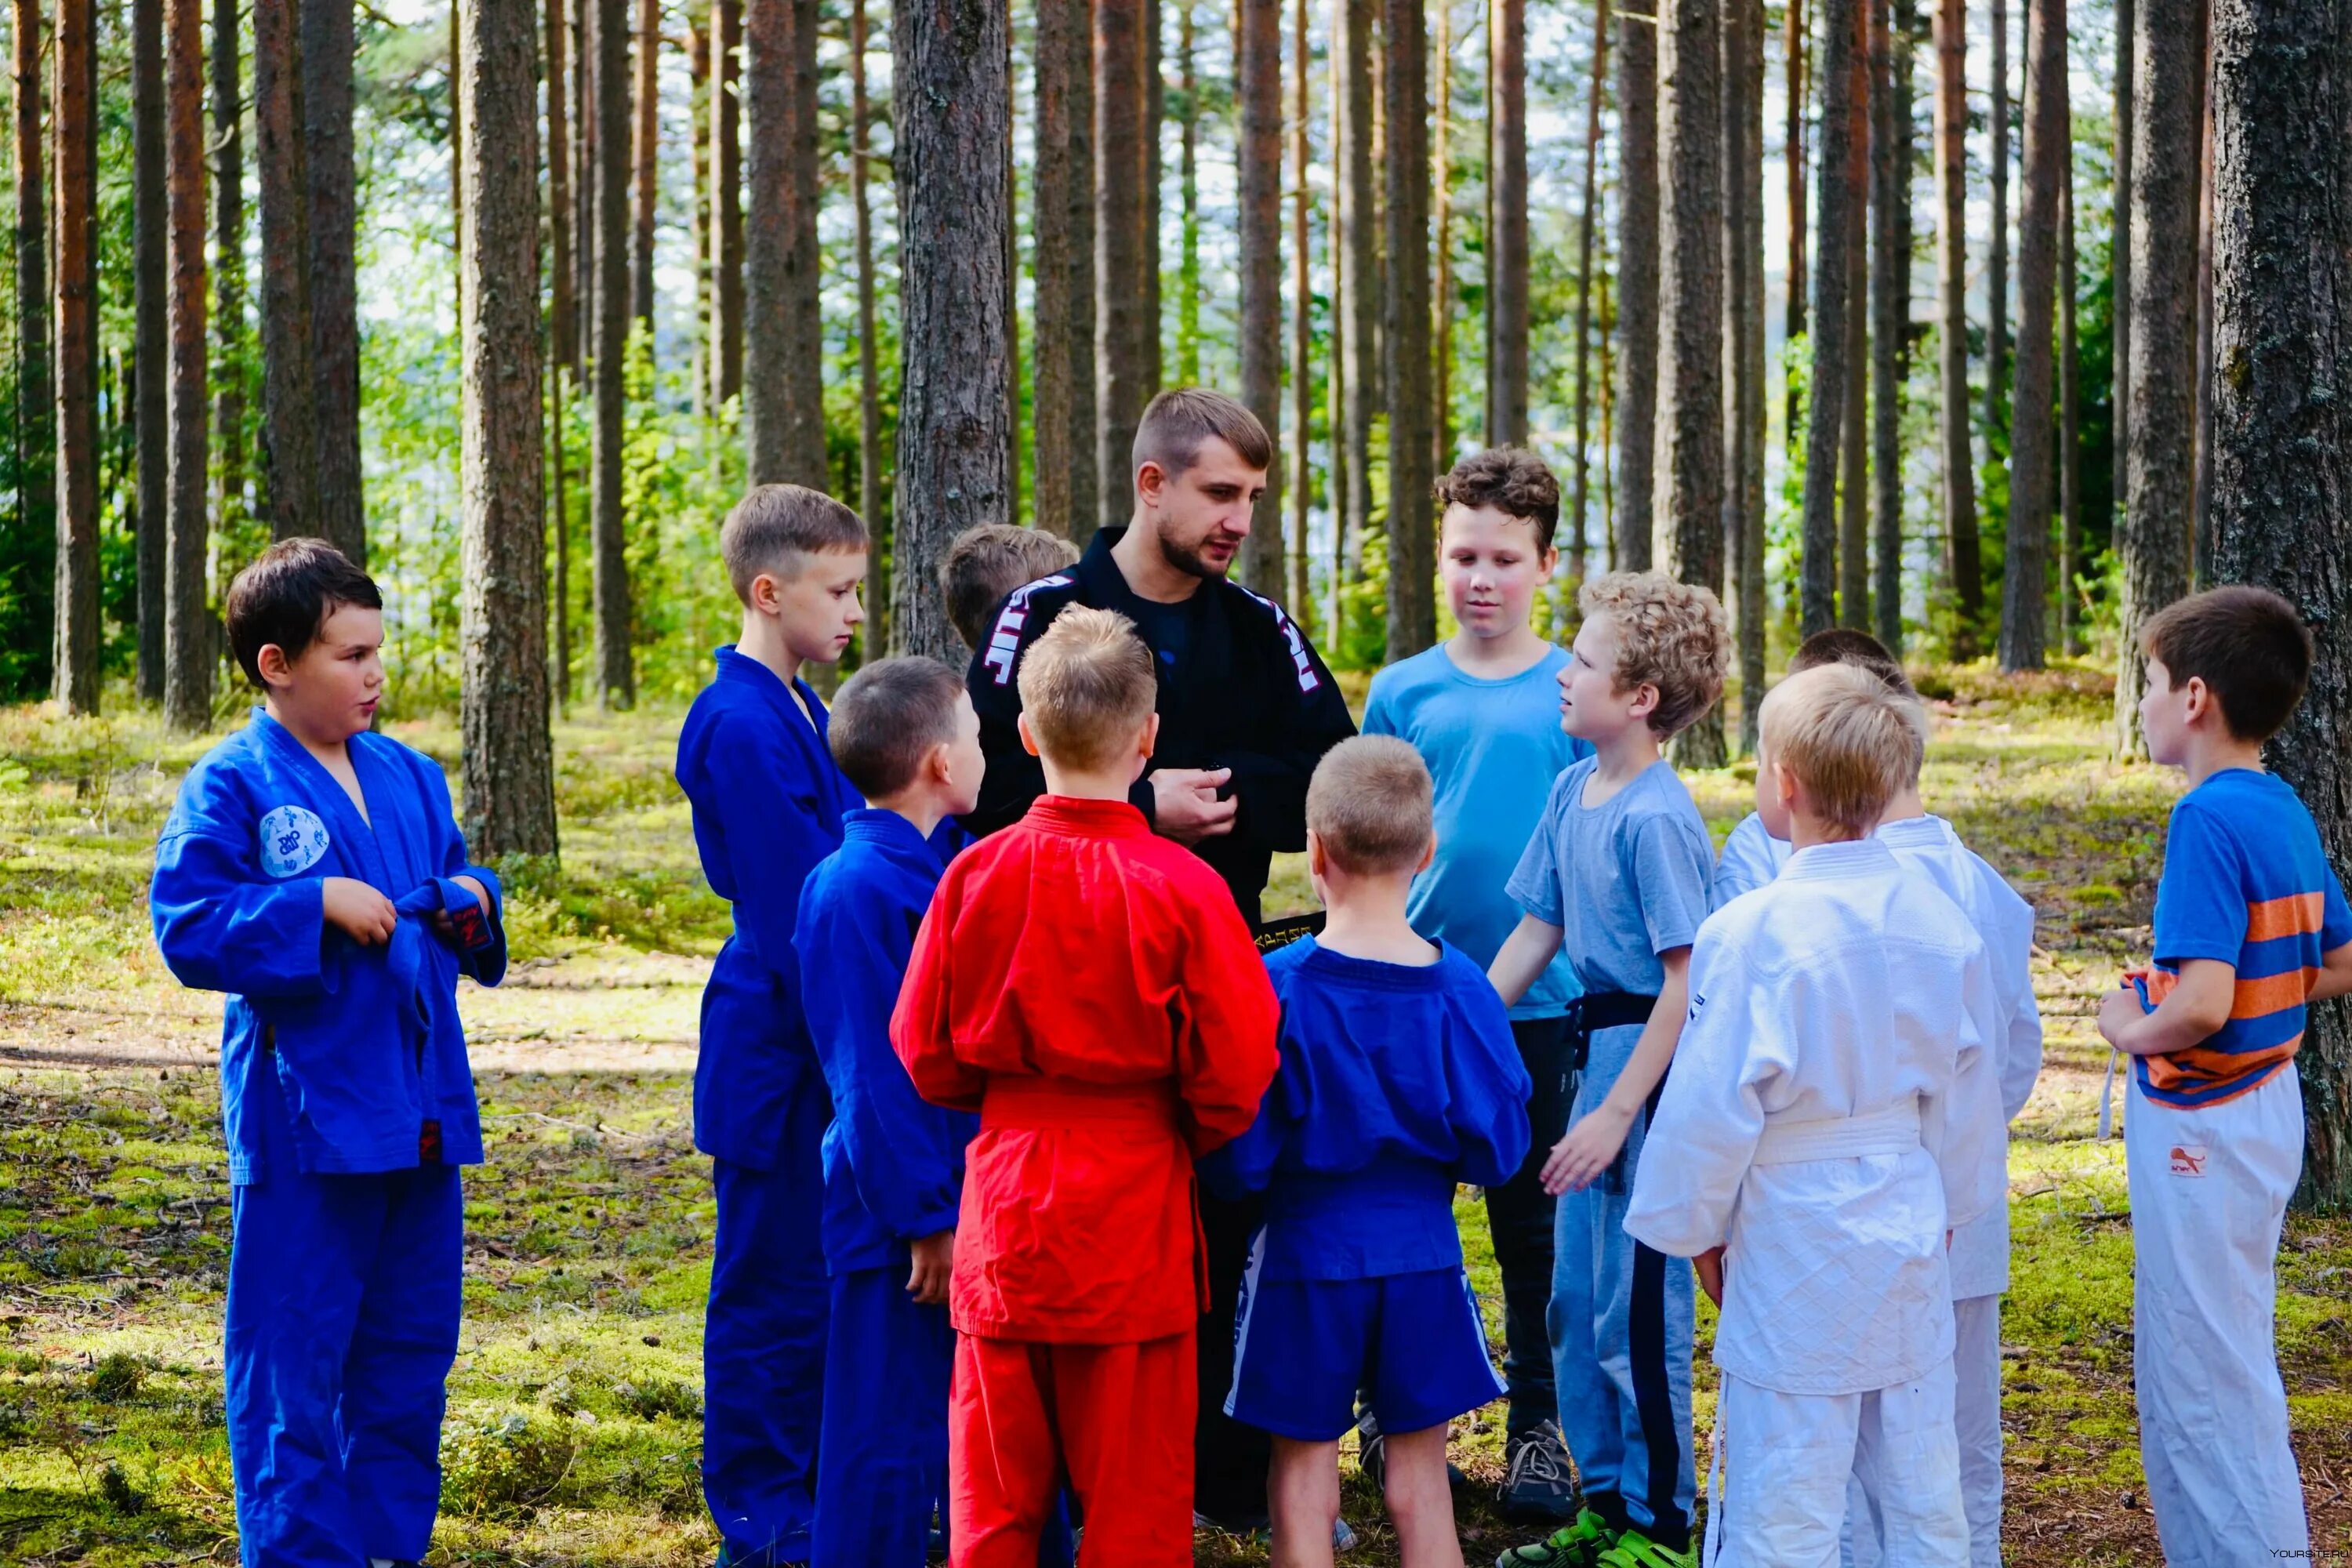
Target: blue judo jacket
[365, 1043]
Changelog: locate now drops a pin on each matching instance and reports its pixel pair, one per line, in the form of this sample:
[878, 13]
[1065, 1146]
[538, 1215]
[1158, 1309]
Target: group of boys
[976, 1111]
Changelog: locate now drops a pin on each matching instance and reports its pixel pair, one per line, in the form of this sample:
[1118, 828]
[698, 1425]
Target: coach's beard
[1187, 559]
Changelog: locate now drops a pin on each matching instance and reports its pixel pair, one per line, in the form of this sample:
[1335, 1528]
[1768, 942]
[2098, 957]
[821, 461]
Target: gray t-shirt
[1624, 880]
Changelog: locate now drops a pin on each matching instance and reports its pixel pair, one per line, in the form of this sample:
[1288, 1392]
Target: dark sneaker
[1581, 1544]
[1371, 1458]
[1540, 1483]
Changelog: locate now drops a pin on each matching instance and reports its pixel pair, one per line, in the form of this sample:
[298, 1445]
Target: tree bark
[1963, 565]
[510, 784]
[2120, 270]
[36, 402]
[1146, 241]
[1637, 275]
[783, 399]
[647, 146]
[1793, 40]
[1260, 48]
[2201, 525]
[1412, 546]
[725, 202]
[1689, 465]
[2152, 546]
[1755, 607]
[1580, 532]
[329, 177]
[1441, 394]
[1507, 242]
[2070, 423]
[1817, 588]
[1302, 326]
[616, 680]
[1357, 248]
[869, 380]
[1854, 448]
[1890, 298]
[289, 431]
[1065, 460]
[561, 324]
[150, 282]
[1121, 265]
[698, 70]
[2281, 435]
[188, 630]
[1738, 262]
[2025, 574]
[952, 104]
[1187, 189]
[75, 670]
[1997, 255]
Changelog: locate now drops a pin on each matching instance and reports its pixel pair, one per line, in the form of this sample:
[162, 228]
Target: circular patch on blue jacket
[292, 839]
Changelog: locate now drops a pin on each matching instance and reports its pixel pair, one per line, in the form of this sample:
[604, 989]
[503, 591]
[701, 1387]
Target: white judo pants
[1976, 1421]
[1788, 1458]
[2209, 1192]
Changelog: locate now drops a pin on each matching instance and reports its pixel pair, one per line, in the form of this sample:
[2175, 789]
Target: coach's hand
[934, 1264]
[1184, 803]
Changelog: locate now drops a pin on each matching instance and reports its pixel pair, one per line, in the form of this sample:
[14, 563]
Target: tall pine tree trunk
[1738, 262]
[2282, 433]
[725, 201]
[1506, 241]
[561, 322]
[188, 630]
[36, 370]
[1359, 251]
[2201, 523]
[1187, 189]
[1066, 460]
[1997, 255]
[1854, 448]
[1637, 275]
[1755, 607]
[1963, 565]
[510, 768]
[1833, 352]
[952, 105]
[1302, 326]
[150, 282]
[2120, 269]
[2025, 574]
[1147, 217]
[1260, 48]
[1125, 317]
[608, 33]
[1580, 530]
[1412, 548]
[1441, 394]
[2070, 424]
[783, 400]
[646, 144]
[1793, 40]
[1890, 301]
[329, 175]
[1690, 335]
[869, 375]
[697, 71]
[75, 672]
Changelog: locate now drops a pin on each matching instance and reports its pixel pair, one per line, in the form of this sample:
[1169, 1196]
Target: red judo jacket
[1091, 991]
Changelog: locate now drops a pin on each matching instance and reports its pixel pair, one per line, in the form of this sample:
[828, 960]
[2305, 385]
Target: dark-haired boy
[988, 561]
[1482, 709]
[2251, 926]
[313, 870]
[768, 803]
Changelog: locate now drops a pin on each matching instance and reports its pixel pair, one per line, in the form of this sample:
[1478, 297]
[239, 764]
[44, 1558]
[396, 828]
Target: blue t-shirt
[1493, 748]
[2245, 883]
[1624, 880]
[1396, 1082]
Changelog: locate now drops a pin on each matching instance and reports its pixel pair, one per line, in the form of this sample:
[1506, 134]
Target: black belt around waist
[1598, 1010]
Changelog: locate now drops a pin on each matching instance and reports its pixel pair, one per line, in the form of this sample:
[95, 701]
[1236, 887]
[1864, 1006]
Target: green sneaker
[1583, 1544]
[1635, 1550]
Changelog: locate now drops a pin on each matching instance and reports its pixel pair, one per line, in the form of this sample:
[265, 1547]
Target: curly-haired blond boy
[1618, 874]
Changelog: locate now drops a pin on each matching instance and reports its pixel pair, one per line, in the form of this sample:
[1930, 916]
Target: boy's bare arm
[2335, 974]
[2195, 1010]
[1592, 1145]
[1526, 952]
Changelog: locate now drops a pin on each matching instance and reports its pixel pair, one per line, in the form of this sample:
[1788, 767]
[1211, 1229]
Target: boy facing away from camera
[1828, 1121]
[1482, 709]
[1399, 1079]
[311, 868]
[988, 561]
[2251, 927]
[1617, 873]
[1091, 991]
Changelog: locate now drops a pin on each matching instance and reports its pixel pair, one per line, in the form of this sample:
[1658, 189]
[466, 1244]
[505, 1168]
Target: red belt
[1061, 1104]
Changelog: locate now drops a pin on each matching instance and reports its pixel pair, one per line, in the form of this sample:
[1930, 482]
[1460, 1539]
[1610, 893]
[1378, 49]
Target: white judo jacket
[1831, 1112]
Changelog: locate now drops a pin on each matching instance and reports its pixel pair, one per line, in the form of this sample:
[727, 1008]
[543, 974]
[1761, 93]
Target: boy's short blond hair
[1087, 687]
[988, 561]
[1851, 743]
[1369, 805]
[776, 528]
[1670, 635]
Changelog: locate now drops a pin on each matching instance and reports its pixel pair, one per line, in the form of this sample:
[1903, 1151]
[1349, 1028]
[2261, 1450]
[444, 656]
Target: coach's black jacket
[1252, 695]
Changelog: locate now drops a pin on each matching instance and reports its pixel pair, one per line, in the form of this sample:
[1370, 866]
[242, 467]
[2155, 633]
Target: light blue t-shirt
[1624, 880]
[1493, 749]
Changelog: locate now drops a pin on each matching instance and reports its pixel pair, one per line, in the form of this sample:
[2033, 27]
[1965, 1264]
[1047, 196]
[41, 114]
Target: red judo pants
[1116, 1420]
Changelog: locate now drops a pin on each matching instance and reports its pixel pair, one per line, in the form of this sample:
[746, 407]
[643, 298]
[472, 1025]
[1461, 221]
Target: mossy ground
[573, 1429]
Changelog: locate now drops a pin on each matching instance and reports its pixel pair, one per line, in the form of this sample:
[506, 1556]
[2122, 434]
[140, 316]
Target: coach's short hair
[988, 561]
[1849, 741]
[1671, 634]
[1369, 805]
[287, 594]
[776, 528]
[887, 719]
[1179, 421]
[1511, 480]
[1087, 686]
[2247, 645]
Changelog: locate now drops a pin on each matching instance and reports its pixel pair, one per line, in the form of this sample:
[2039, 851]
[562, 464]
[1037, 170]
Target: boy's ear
[1550, 559]
[1150, 734]
[1428, 856]
[2196, 699]
[1646, 700]
[275, 668]
[766, 594]
[1318, 860]
[1028, 740]
[939, 765]
[1785, 787]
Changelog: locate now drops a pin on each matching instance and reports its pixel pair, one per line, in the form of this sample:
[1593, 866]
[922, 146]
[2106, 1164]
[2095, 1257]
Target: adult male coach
[1246, 710]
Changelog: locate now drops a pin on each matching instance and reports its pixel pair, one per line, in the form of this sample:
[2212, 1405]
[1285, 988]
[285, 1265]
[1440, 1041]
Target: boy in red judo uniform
[1091, 991]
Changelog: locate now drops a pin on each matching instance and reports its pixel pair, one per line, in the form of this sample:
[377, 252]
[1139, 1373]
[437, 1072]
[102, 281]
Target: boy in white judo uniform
[1820, 1134]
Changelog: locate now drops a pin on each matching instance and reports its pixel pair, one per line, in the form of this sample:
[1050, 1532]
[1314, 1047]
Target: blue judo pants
[1621, 1322]
[763, 1347]
[343, 1298]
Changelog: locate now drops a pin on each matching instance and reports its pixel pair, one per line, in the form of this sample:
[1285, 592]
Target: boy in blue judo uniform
[768, 803]
[313, 871]
[1399, 1078]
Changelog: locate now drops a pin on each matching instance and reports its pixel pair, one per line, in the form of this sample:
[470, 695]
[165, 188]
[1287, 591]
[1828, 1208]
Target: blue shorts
[1412, 1344]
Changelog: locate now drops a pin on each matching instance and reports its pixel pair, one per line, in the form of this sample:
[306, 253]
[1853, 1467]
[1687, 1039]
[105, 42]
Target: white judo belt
[1894, 1130]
